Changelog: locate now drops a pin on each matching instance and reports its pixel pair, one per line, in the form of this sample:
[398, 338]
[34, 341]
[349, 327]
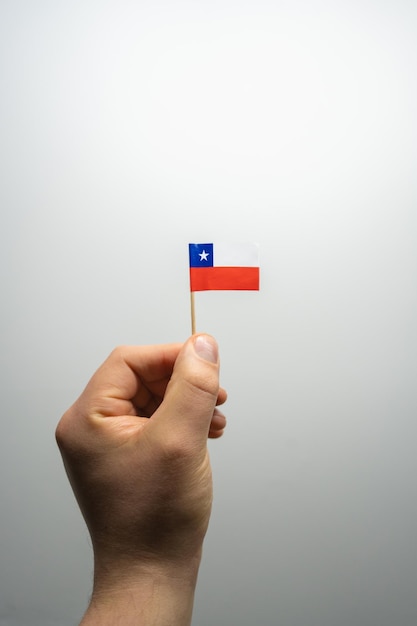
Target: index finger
[132, 380]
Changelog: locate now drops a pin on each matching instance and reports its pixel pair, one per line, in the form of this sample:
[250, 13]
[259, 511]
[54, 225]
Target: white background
[129, 129]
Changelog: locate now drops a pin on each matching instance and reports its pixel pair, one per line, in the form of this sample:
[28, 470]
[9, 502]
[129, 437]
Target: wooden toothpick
[192, 313]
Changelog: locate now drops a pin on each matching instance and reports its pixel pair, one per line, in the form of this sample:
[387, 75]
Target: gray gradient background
[129, 129]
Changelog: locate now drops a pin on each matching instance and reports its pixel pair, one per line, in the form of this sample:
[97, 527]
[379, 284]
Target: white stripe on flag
[244, 254]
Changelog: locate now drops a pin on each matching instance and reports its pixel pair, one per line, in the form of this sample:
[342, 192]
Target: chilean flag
[215, 266]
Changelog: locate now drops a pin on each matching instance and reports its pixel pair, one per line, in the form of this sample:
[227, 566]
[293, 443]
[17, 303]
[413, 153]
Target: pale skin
[134, 447]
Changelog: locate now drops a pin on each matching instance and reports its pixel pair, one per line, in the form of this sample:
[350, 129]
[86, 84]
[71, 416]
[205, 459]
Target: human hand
[134, 447]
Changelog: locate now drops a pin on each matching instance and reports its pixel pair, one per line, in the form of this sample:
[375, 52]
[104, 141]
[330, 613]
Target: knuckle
[62, 431]
[118, 353]
[207, 385]
[178, 448]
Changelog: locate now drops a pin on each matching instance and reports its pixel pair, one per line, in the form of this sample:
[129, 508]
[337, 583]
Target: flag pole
[192, 313]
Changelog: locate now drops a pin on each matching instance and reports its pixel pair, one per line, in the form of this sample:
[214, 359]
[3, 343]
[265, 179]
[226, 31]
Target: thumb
[191, 396]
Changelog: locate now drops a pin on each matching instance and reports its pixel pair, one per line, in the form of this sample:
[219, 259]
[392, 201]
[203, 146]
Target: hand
[135, 450]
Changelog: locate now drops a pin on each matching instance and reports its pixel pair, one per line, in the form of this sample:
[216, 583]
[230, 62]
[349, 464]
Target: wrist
[158, 593]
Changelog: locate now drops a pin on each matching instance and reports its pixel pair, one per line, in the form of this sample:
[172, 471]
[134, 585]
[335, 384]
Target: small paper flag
[224, 266]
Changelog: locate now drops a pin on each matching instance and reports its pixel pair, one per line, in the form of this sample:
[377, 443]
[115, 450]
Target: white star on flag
[203, 255]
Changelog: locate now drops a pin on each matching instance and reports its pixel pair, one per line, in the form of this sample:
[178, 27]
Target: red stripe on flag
[222, 278]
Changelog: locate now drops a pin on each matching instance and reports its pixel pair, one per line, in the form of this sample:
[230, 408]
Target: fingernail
[206, 347]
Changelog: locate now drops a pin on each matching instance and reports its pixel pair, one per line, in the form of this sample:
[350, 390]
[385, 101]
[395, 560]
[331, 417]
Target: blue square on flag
[201, 254]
